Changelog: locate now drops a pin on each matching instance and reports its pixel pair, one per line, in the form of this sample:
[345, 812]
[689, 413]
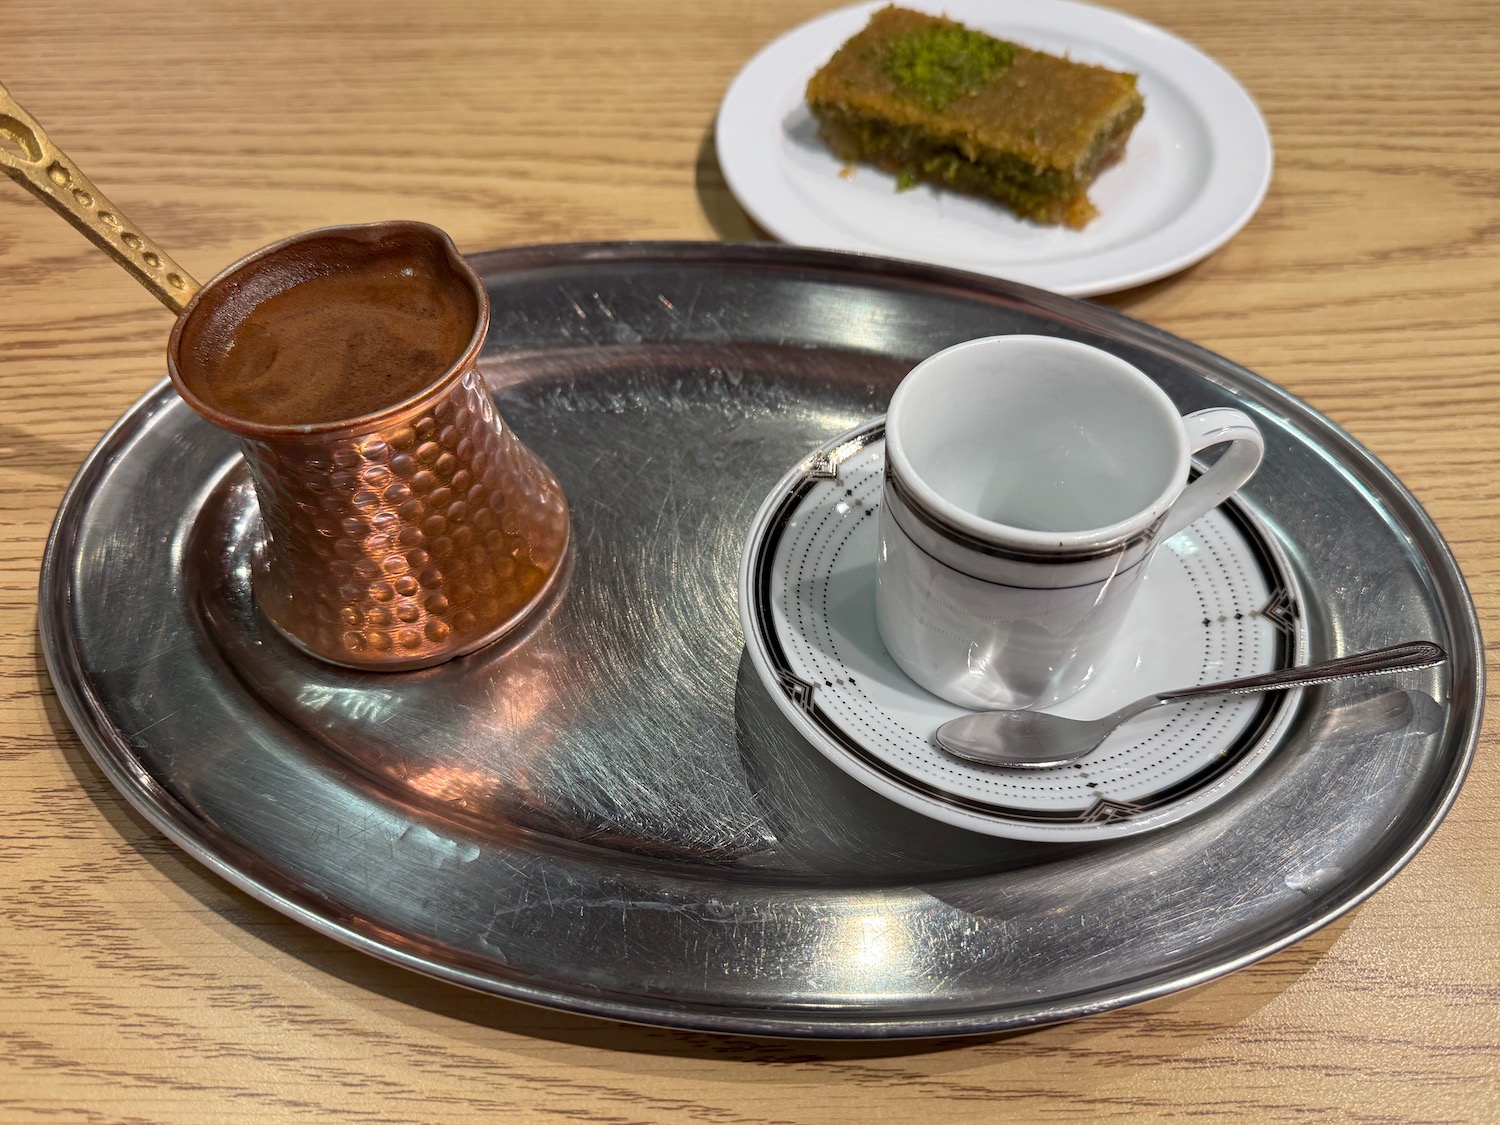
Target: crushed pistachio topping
[944, 62]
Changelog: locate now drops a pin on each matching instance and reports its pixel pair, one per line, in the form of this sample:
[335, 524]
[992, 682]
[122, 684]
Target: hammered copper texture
[410, 544]
[398, 539]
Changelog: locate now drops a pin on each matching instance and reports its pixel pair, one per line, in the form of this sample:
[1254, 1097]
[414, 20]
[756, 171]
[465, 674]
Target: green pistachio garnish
[943, 62]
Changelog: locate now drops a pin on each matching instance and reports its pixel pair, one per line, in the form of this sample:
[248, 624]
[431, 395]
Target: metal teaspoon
[1037, 740]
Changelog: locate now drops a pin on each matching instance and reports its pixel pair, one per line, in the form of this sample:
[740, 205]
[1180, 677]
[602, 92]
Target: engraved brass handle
[30, 158]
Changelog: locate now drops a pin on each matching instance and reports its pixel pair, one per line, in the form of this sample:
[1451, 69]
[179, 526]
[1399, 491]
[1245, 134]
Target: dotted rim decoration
[809, 544]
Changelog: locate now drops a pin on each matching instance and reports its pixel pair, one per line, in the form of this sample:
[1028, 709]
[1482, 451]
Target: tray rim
[221, 855]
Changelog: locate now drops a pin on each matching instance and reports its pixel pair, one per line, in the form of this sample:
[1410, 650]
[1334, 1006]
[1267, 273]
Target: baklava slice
[929, 99]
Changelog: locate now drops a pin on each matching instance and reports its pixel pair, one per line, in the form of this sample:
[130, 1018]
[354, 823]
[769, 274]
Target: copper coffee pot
[394, 540]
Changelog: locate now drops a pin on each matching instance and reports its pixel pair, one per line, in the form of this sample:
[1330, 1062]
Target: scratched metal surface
[608, 814]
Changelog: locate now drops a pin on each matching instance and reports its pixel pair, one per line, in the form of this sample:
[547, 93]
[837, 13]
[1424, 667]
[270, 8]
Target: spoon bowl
[1038, 740]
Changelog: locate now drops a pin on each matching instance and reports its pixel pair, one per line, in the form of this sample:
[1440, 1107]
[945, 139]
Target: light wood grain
[136, 987]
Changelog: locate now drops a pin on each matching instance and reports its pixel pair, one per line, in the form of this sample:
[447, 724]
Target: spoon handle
[28, 156]
[1411, 654]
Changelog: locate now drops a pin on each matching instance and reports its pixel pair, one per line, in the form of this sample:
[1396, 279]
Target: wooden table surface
[135, 986]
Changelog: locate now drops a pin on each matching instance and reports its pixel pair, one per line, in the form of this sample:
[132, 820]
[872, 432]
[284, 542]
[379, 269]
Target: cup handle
[1237, 464]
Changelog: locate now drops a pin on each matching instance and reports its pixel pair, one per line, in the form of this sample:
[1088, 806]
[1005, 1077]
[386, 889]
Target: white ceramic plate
[1219, 601]
[1194, 171]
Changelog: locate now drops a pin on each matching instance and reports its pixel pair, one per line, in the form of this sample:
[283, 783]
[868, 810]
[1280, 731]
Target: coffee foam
[327, 329]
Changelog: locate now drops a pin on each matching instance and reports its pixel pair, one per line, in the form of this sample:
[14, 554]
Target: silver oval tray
[608, 814]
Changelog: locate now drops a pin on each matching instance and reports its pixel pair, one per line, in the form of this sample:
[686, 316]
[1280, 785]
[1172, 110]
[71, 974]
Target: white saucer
[1218, 601]
[1194, 171]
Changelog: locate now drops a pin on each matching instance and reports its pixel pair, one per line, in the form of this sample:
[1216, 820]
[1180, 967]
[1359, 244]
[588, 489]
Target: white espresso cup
[1027, 481]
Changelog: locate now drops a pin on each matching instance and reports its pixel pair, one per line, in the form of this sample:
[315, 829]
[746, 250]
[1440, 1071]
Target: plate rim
[223, 855]
[744, 117]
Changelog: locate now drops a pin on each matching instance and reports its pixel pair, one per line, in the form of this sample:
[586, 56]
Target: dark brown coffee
[332, 338]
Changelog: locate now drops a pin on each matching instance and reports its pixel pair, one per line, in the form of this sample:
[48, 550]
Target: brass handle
[38, 165]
